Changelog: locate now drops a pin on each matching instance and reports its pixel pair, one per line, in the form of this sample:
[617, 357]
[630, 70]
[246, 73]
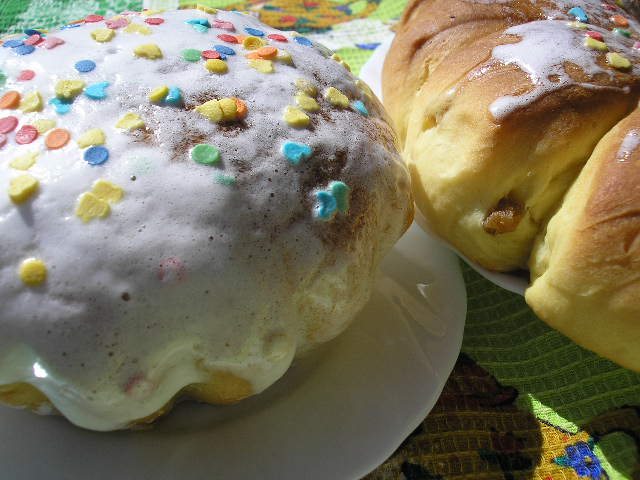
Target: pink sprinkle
[3, 140]
[117, 23]
[93, 18]
[128, 12]
[608, 6]
[277, 37]
[8, 124]
[636, 45]
[26, 134]
[209, 54]
[228, 38]
[52, 42]
[223, 25]
[595, 35]
[154, 21]
[26, 75]
[33, 39]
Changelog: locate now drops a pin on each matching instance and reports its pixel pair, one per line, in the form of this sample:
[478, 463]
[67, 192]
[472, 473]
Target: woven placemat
[523, 402]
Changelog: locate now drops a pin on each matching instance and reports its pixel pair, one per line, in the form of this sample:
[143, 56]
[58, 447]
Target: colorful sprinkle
[303, 41]
[327, 205]
[33, 39]
[33, 272]
[210, 54]
[342, 193]
[44, 125]
[24, 162]
[255, 32]
[24, 49]
[8, 124]
[107, 191]
[229, 108]
[12, 43]
[263, 66]
[305, 86]
[57, 138]
[307, 103]
[26, 75]
[103, 35]
[174, 96]
[69, 89]
[579, 13]
[294, 152]
[636, 45]
[191, 54]
[267, 52]
[210, 110]
[22, 187]
[295, 117]
[252, 43]
[130, 121]
[96, 155]
[360, 107]
[595, 35]
[620, 21]
[26, 134]
[205, 154]
[84, 66]
[284, 57]
[241, 108]
[92, 137]
[623, 32]
[137, 28]
[277, 37]
[216, 66]
[148, 50]
[223, 25]
[10, 100]
[117, 22]
[52, 42]
[96, 91]
[224, 179]
[228, 38]
[32, 102]
[581, 26]
[206, 9]
[90, 207]
[618, 61]
[336, 97]
[199, 21]
[224, 50]
[93, 18]
[595, 44]
[3, 140]
[61, 105]
[154, 21]
[200, 28]
[340, 61]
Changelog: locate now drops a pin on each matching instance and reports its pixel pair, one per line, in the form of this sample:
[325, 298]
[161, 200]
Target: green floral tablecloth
[523, 401]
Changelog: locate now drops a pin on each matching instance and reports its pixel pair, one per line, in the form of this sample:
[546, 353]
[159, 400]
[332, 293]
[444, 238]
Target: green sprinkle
[3, 78]
[205, 154]
[191, 54]
[621, 31]
[224, 179]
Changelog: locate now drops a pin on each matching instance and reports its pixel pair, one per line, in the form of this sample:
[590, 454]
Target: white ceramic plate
[335, 415]
[371, 73]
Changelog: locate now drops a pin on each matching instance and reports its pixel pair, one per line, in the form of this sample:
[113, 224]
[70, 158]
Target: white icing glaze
[628, 146]
[249, 276]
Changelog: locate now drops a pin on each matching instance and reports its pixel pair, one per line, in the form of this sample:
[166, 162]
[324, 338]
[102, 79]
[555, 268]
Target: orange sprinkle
[253, 55]
[57, 138]
[267, 52]
[11, 99]
[620, 21]
[241, 38]
[241, 107]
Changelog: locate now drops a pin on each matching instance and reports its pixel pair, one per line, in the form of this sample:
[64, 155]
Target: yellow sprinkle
[22, 187]
[24, 162]
[159, 93]
[284, 57]
[130, 121]
[211, 110]
[341, 61]
[206, 9]
[296, 117]
[118, 17]
[137, 28]
[95, 136]
[103, 34]
[69, 89]
[90, 206]
[32, 102]
[148, 50]
[148, 13]
[33, 272]
[263, 66]
[216, 65]
[305, 86]
[581, 26]
[107, 191]
[252, 43]
[229, 108]
[595, 44]
[365, 89]
[620, 3]
[44, 125]
[336, 97]
[307, 103]
[618, 61]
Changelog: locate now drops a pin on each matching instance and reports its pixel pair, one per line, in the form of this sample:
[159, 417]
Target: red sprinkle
[3, 139]
[154, 21]
[277, 37]
[608, 6]
[93, 18]
[208, 54]
[228, 38]
[8, 124]
[26, 134]
[33, 39]
[26, 75]
[288, 19]
[595, 35]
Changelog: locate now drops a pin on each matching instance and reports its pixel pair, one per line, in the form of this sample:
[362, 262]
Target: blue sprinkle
[327, 205]
[96, 90]
[31, 31]
[200, 28]
[85, 66]
[174, 96]
[359, 106]
[61, 105]
[340, 192]
[255, 32]
[71, 25]
[199, 21]
[96, 155]
[303, 41]
[294, 152]
[24, 49]
[222, 56]
[225, 50]
[12, 43]
[368, 46]
[579, 13]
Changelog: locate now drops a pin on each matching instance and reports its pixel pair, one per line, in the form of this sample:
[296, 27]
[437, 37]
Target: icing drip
[628, 145]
